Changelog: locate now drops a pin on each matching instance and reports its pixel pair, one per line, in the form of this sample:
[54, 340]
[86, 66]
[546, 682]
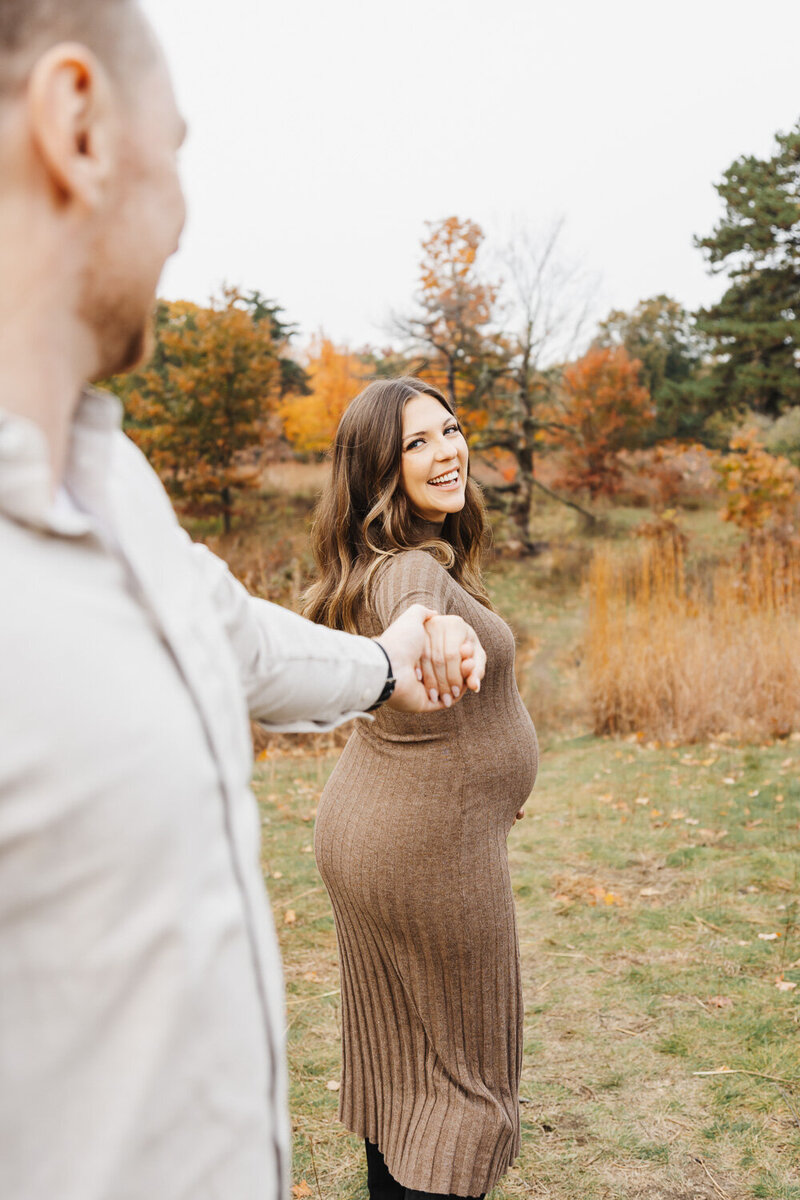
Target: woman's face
[433, 473]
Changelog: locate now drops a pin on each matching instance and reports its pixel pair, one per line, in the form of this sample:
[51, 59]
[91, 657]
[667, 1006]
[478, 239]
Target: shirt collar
[26, 480]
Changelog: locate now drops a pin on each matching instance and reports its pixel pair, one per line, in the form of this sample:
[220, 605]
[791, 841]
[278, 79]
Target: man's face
[140, 226]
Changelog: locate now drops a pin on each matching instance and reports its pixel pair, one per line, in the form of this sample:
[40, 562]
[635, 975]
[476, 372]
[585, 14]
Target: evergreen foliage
[755, 327]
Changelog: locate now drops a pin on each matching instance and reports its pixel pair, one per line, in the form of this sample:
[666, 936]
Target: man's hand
[451, 644]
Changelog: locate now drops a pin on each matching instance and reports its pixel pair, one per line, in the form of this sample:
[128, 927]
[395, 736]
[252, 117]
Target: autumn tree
[454, 328]
[665, 338]
[333, 377]
[761, 489]
[755, 327]
[202, 405]
[546, 300]
[601, 408]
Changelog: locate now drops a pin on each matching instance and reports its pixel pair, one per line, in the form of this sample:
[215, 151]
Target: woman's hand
[410, 642]
[453, 658]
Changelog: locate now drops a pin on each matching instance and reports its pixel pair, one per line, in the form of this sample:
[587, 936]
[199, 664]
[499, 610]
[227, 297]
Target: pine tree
[755, 327]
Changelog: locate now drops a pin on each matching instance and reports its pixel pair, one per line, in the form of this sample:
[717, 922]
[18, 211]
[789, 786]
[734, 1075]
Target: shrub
[679, 659]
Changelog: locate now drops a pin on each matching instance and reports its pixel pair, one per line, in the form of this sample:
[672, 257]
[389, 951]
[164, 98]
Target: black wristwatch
[388, 687]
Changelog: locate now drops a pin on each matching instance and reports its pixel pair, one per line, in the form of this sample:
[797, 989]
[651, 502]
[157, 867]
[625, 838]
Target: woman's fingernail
[456, 693]
[434, 695]
[419, 674]
[447, 699]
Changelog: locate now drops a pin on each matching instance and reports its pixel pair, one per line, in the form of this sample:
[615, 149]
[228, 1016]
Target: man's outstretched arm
[302, 677]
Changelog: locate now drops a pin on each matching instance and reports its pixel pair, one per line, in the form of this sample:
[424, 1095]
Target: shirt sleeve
[411, 577]
[297, 676]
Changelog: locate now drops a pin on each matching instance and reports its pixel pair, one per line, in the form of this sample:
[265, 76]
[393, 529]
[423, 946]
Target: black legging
[382, 1186]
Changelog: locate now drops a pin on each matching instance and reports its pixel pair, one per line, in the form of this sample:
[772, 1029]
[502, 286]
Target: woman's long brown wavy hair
[364, 516]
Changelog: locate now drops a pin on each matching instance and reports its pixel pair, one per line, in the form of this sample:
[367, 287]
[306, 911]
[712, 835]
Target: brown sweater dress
[411, 844]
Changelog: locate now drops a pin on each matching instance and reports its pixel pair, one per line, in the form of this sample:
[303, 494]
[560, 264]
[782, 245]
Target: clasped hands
[435, 659]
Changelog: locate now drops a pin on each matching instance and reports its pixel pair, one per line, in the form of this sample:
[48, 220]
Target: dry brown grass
[684, 659]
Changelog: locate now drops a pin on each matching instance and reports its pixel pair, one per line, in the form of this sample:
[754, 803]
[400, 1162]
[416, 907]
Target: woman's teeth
[442, 480]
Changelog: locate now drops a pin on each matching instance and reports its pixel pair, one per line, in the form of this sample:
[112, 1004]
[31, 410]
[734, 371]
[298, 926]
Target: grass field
[658, 896]
[657, 899]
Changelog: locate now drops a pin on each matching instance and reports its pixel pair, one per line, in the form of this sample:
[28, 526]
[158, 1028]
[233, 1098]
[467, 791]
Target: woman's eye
[412, 445]
[452, 429]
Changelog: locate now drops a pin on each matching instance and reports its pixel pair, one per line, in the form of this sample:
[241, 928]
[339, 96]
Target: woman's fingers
[441, 664]
[429, 681]
[452, 659]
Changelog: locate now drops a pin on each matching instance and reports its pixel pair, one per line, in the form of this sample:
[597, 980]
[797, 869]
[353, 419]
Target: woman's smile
[447, 481]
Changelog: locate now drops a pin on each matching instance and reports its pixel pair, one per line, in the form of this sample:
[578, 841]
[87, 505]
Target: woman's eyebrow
[422, 432]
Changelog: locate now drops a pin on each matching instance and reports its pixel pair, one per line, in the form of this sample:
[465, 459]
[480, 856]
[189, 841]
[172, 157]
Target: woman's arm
[453, 656]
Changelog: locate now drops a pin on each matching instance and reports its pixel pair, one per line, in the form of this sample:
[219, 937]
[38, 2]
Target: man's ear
[72, 117]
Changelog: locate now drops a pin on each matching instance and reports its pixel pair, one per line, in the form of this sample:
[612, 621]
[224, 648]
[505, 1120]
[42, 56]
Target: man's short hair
[28, 28]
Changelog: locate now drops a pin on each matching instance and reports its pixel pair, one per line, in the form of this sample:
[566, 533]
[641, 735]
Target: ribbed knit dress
[411, 844]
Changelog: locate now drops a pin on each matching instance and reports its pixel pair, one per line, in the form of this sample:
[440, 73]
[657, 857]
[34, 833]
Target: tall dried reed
[680, 657]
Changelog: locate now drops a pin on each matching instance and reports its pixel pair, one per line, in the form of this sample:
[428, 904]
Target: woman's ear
[73, 122]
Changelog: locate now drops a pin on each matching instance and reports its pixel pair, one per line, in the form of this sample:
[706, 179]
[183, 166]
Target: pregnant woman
[412, 825]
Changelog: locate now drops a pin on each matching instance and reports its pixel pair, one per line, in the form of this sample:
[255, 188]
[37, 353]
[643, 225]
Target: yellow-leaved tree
[334, 376]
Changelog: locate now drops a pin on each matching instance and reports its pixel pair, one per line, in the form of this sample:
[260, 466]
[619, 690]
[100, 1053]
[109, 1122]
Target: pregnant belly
[505, 772]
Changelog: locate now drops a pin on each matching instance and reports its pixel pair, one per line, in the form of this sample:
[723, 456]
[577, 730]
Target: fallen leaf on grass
[784, 985]
[277, 874]
[289, 917]
[754, 824]
[651, 891]
[692, 821]
[311, 977]
[333, 1085]
[755, 792]
[301, 1190]
[308, 850]
[642, 800]
[729, 780]
[677, 815]
[720, 1002]
[768, 937]
[584, 888]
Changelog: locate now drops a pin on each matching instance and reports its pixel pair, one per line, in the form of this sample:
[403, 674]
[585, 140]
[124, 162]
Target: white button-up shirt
[141, 1009]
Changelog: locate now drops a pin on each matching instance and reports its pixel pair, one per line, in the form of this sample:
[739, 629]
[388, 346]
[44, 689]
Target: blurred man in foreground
[140, 991]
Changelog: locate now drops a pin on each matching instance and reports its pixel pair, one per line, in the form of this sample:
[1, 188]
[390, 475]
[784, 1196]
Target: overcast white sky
[324, 133]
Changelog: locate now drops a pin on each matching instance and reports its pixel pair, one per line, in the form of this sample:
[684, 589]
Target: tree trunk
[227, 509]
[519, 510]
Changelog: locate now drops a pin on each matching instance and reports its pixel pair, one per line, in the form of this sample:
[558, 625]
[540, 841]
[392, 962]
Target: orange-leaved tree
[455, 325]
[601, 409]
[334, 375]
[200, 409]
[761, 489]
